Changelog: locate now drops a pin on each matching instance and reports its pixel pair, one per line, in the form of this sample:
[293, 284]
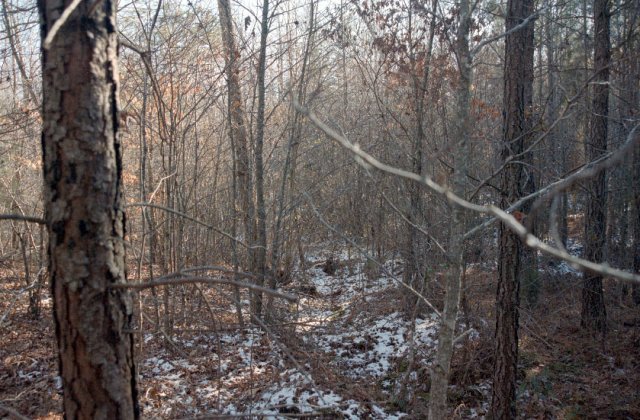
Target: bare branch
[586, 172]
[21, 218]
[368, 161]
[46, 44]
[518, 27]
[369, 258]
[11, 413]
[194, 220]
[205, 280]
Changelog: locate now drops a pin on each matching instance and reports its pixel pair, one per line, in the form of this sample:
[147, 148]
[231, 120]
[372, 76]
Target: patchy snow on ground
[367, 348]
[252, 372]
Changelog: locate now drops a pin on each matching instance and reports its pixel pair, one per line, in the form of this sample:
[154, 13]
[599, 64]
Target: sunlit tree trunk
[288, 171]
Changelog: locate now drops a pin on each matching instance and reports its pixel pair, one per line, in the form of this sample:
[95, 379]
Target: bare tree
[85, 221]
[238, 130]
[461, 131]
[261, 211]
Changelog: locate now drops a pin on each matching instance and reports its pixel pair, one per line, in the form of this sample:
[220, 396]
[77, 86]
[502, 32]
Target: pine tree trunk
[593, 316]
[635, 291]
[518, 90]
[85, 221]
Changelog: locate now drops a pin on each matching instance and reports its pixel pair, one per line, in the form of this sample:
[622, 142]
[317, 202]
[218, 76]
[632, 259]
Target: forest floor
[345, 350]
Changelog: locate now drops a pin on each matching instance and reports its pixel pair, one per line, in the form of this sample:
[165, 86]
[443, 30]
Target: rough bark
[593, 314]
[85, 221]
[631, 106]
[518, 89]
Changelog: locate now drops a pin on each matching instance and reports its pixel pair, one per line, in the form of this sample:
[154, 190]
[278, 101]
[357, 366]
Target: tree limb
[205, 280]
[19, 217]
[368, 161]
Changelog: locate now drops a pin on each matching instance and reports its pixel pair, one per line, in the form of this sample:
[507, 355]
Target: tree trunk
[518, 90]
[261, 233]
[289, 168]
[462, 129]
[85, 221]
[413, 274]
[635, 291]
[593, 315]
[631, 98]
[238, 130]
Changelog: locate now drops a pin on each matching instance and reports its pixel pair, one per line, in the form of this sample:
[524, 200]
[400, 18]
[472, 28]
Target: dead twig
[22, 218]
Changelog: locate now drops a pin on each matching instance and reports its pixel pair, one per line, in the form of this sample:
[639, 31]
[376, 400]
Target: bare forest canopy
[486, 149]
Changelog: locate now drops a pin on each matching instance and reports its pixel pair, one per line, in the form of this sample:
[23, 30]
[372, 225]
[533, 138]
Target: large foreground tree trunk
[518, 97]
[82, 171]
[593, 309]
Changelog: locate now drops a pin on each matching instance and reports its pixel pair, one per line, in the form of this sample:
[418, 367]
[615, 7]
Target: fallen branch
[11, 413]
[205, 280]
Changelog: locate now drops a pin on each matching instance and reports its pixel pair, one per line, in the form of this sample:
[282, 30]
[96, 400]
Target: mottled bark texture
[82, 171]
[593, 314]
[518, 97]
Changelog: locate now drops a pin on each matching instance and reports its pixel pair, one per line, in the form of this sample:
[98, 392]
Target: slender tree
[261, 211]
[517, 101]
[238, 130]
[461, 131]
[636, 222]
[411, 274]
[85, 221]
[593, 314]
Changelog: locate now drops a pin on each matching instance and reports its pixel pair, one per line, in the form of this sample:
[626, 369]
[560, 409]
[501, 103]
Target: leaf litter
[344, 351]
